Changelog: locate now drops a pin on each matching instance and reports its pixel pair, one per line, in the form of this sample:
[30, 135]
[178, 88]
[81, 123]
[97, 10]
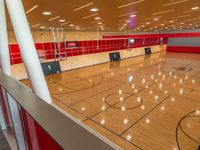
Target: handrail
[67, 131]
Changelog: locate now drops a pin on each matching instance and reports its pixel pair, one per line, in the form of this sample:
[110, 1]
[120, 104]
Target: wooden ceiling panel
[151, 15]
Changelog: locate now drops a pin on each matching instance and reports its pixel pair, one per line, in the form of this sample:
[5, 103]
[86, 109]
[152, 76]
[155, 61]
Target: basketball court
[139, 103]
[100, 75]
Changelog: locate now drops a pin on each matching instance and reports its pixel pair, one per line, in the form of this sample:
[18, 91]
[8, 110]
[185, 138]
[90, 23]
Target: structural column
[27, 48]
[4, 59]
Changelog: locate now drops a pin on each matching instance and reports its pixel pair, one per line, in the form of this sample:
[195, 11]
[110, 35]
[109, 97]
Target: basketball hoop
[58, 38]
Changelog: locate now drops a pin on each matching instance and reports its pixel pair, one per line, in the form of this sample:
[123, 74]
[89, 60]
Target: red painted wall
[85, 47]
[177, 49]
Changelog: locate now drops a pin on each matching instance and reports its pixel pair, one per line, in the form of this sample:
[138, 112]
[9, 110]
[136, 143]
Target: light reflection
[130, 78]
[83, 108]
[156, 97]
[128, 137]
[133, 86]
[121, 99]
[147, 121]
[172, 99]
[112, 73]
[150, 92]
[103, 99]
[123, 108]
[120, 91]
[103, 107]
[125, 121]
[138, 99]
[135, 90]
[142, 107]
[166, 92]
[181, 91]
[162, 108]
[198, 112]
[102, 122]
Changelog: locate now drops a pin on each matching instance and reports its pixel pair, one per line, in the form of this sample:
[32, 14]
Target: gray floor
[3, 143]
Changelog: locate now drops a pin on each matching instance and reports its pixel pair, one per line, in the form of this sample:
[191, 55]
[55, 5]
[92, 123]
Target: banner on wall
[71, 44]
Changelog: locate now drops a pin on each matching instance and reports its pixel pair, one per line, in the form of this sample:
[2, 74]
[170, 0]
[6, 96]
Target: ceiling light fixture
[62, 20]
[86, 17]
[129, 4]
[31, 9]
[132, 16]
[97, 18]
[177, 2]
[46, 13]
[195, 8]
[42, 27]
[84, 6]
[36, 25]
[162, 12]
[94, 9]
[54, 18]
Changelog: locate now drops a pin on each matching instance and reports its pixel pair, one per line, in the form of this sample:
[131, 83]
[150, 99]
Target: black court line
[178, 126]
[145, 115]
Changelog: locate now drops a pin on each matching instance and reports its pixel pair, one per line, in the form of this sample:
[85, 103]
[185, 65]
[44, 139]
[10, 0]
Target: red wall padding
[183, 49]
[84, 47]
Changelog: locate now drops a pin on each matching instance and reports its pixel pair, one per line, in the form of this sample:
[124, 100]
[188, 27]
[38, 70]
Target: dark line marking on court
[145, 114]
[178, 126]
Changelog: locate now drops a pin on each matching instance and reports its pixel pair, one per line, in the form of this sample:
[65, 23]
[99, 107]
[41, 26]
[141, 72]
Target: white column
[27, 48]
[4, 54]
[4, 50]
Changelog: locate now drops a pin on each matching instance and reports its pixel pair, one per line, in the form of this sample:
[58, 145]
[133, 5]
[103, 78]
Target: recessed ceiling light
[62, 20]
[42, 27]
[100, 23]
[156, 19]
[97, 18]
[132, 16]
[71, 25]
[94, 9]
[31, 9]
[171, 21]
[127, 21]
[148, 23]
[77, 28]
[195, 8]
[46, 13]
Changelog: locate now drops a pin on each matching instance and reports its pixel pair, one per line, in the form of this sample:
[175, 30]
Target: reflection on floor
[141, 103]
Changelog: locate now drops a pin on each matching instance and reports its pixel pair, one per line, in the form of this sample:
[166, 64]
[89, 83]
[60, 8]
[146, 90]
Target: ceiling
[115, 15]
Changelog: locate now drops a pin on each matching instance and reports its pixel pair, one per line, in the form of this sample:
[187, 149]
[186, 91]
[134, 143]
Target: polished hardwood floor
[142, 103]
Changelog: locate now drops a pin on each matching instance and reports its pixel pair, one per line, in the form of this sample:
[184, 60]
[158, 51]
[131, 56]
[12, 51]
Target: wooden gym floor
[141, 103]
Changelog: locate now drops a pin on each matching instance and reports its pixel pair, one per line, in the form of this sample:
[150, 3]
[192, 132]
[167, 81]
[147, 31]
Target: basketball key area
[135, 100]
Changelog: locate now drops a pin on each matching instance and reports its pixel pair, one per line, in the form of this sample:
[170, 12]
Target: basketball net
[58, 38]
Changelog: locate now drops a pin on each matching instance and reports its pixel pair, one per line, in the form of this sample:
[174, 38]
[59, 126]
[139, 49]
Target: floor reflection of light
[125, 121]
[133, 86]
[198, 112]
[123, 108]
[103, 99]
[138, 99]
[166, 92]
[150, 92]
[180, 81]
[172, 99]
[156, 97]
[121, 99]
[103, 107]
[175, 77]
[143, 81]
[186, 77]
[152, 76]
[130, 78]
[128, 137]
[146, 86]
[120, 91]
[162, 108]
[193, 81]
[159, 73]
[111, 73]
[83, 108]
[90, 80]
[135, 90]
[147, 121]
[174, 148]
[156, 80]
[60, 89]
[170, 73]
[142, 107]
[102, 122]
[181, 91]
